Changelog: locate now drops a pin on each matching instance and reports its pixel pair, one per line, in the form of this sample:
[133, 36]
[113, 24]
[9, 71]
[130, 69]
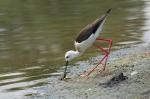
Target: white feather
[85, 44]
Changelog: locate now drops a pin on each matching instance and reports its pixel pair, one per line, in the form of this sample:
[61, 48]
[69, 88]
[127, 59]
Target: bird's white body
[81, 47]
[84, 45]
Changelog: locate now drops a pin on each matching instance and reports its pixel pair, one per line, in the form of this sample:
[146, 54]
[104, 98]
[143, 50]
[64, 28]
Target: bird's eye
[67, 56]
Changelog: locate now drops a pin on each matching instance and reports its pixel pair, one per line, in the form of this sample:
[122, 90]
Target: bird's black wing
[87, 31]
[90, 29]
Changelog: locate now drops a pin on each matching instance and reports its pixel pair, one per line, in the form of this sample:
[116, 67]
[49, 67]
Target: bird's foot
[103, 72]
[87, 73]
[91, 71]
[99, 70]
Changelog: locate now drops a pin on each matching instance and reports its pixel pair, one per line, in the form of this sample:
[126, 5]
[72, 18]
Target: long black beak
[65, 71]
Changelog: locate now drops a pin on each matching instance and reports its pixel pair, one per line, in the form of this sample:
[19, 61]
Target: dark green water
[35, 34]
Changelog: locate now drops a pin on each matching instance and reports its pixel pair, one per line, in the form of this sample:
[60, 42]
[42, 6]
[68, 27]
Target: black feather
[90, 29]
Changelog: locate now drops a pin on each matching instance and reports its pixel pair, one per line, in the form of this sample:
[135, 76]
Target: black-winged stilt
[85, 39]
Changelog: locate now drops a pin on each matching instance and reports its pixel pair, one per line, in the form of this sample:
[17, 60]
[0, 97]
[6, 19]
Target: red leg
[103, 61]
[107, 51]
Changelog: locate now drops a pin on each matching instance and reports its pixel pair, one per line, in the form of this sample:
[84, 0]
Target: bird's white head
[71, 55]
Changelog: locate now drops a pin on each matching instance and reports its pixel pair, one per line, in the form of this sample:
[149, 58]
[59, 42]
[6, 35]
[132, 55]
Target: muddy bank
[133, 62]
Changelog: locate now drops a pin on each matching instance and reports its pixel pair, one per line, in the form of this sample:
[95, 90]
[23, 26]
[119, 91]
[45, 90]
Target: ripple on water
[18, 81]
[2, 30]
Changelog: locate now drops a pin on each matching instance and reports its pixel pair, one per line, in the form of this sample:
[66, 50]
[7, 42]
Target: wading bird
[85, 39]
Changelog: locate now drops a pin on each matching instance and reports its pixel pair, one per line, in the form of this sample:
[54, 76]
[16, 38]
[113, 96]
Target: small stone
[134, 73]
[89, 89]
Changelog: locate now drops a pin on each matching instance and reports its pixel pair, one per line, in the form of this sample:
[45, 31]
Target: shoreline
[134, 62]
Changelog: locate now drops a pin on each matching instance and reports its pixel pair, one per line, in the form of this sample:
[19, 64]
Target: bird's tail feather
[108, 11]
